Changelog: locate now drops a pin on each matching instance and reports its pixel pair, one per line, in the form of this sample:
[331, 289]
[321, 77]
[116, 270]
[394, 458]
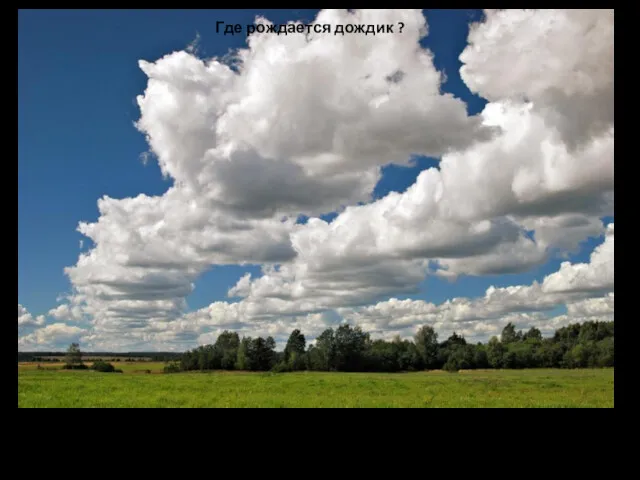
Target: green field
[487, 388]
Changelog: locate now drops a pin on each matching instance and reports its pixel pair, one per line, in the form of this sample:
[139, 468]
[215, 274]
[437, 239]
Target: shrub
[281, 368]
[451, 366]
[100, 366]
[172, 368]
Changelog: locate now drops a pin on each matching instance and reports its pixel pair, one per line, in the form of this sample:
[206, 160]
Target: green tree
[262, 355]
[480, 358]
[495, 353]
[533, 335]
[73, 358]
[295, 345]
[325, 351]
[351, 345]
[604, 352]
[227, 349]
[426, 341]
[242, 357]
[509, 334]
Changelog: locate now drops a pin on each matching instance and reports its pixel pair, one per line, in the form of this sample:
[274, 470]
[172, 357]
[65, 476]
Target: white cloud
[25, 319]
[597, 275]
[53, 336]
[476, 318]
[302, 125]
[237, 171]
[66, 312]
[602, 307]
[561, 60]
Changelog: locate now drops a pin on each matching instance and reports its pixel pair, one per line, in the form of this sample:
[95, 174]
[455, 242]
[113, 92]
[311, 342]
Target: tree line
[349, 349]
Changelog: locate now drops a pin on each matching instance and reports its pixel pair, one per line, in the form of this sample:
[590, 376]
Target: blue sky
[78, 78]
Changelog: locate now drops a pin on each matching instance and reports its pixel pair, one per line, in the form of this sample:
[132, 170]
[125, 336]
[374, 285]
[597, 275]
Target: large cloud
[303, 131]
[561, 60]
[476, 318]
[301, 124]
[314, 114]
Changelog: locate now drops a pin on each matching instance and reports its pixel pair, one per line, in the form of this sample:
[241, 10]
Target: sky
[175, 181]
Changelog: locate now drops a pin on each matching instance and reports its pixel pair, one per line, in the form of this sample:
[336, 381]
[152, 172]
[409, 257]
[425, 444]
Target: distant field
[88, 358]
[126, 367]
[487, 388]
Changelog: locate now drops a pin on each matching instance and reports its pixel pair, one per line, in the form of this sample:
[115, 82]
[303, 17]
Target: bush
[451, 366]
[172, 368]
[100, 366]
[281, 368]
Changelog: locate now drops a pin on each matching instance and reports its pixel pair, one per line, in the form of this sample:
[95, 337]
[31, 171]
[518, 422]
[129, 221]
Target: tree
[495, 353]
[242, 359]
[347, 348]
[295, 345]
[351, 345]
[324, 351]
[533, 335]
[426, 341]
[262, 355]
[227, 349]
[74, 356]
[480, 358]
[509, 334]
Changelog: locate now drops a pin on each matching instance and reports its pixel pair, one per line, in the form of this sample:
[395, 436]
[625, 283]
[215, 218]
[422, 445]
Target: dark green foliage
[533, 335]
[451, 365]
[426, 342]
[296, 344]
[480, 358]
[350, 349]
[242, 357]
[509, 334]
[100, 366]
[325, 351]
[261, 355]
[351, 345]
[281, 367]
[172, 368]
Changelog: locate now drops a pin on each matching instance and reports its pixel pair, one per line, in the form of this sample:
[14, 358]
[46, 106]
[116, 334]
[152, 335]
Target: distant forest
[349, 349]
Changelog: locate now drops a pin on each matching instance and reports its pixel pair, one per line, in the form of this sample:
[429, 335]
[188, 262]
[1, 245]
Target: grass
[487, 388]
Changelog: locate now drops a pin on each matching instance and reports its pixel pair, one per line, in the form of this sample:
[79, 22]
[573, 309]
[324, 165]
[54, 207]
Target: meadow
[52, 387]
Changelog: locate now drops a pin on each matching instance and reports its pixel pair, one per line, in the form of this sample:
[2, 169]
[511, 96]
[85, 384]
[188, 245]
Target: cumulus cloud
[53, 336]
[25, 319]
[476, 318]
[597, 275]
[302, 124]
[561, 60]
[67, 312]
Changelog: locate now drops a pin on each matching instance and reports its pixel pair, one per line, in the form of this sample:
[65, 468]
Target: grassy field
[126, 367]
[133, 388]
